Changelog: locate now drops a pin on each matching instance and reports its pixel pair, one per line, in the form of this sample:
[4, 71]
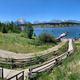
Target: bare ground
[12, 72]
[8, 54]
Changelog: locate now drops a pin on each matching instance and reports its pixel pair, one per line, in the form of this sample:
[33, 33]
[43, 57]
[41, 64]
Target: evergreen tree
[18, 28]
[12, 26]
[0, 26]
[25, 26]
[4, 28]
[29, 30]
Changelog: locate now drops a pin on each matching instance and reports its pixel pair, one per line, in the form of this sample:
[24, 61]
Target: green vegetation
[15, 43]
[37, 60]
[46, 38]
[68, 70]
[63, 24]
[10, 27]
[28, 30]
[62, 49]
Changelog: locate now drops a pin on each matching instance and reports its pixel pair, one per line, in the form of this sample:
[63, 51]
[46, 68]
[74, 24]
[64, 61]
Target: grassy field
[15, 43]
[68, 70]
[33, 64]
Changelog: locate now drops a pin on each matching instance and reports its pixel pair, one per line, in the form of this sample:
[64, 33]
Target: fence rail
[19, 76]
[30, 61]
[57, 61]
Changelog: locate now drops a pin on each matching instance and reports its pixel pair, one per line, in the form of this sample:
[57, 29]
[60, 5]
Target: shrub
[23, 34]
[34, 35]
[45, 37]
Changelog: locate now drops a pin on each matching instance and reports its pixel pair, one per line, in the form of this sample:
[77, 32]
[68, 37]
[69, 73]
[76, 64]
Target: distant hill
[52, 23]
[56, 21]
[62, 24]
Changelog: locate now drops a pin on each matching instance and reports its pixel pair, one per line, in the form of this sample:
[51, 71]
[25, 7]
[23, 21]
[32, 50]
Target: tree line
[63, 24]
[10, 27]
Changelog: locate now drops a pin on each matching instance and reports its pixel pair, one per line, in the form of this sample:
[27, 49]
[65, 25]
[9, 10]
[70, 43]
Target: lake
[74, 31]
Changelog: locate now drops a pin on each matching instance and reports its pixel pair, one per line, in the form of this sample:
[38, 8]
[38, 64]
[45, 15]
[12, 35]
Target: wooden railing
[1, 73]
[48, 68]
[19, 76]
[12, 63]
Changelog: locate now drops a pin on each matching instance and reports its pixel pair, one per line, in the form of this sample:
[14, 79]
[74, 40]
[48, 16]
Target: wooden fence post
[12, 63]
[16, 77]
[38, 58]
[2, 73]
[75, 49]
[23, 75]
[68, 54]
[56, 61]
[54, 53]
[31, 77]
[27, 75]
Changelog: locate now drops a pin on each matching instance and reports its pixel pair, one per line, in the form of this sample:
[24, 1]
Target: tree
[9, 26]
[0, 26]
[4, 28]
[12, 26]
[18, 28]
[29, 30]
[25, 26]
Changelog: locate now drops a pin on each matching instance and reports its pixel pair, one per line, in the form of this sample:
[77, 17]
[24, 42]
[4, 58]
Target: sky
[42, 10]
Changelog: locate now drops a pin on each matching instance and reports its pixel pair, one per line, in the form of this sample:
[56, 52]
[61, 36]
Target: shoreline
[51, 26]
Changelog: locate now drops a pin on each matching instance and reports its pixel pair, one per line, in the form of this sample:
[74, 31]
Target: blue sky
[42, 10]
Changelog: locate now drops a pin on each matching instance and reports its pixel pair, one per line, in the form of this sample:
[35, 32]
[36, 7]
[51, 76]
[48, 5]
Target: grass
[68, 70]
[44, 58]
[61, 49]
[15, 43]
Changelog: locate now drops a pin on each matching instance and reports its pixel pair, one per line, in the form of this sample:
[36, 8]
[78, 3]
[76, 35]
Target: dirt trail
[12, 72]
[70, 45]
[8, 54]
[70, 48]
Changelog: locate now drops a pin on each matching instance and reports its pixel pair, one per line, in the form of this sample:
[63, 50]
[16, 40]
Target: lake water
[74, 31]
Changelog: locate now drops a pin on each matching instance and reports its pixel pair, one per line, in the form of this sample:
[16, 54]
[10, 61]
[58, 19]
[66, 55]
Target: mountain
[21, 21]
[75, 21]
[67, 20]
[44, 22]
[36, 22]
[5, 22]
[55, 21]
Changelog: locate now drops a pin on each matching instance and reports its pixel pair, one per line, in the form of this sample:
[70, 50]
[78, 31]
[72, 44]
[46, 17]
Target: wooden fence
[57, 61]
[19, 76]
[1, 73]
[12, 63]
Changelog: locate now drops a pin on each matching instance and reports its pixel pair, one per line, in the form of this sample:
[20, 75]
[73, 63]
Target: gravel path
[8, 54]
[70, 45]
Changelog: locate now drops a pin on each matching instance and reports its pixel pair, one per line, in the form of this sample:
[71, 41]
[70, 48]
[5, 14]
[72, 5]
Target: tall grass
[15, 43]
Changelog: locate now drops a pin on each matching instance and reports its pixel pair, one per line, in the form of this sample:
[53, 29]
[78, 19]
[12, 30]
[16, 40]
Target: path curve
[26, 70]
[8, 54]
[70, 45]
[13, 72]
[70, 48]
